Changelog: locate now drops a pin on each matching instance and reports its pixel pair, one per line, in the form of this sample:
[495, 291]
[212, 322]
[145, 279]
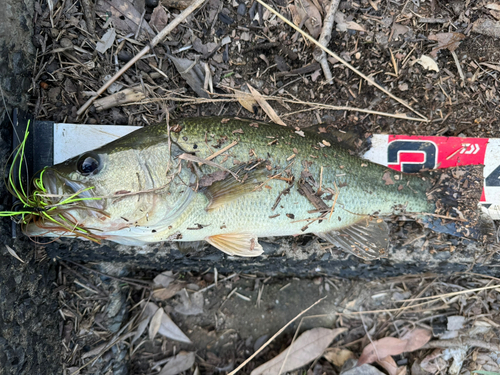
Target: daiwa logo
[410, 156]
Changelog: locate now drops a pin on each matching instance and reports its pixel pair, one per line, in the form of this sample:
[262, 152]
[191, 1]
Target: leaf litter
[464, 326]
[368, 325]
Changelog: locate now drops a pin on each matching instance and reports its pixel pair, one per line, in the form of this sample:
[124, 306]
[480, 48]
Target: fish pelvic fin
[240, 244]
[228, 188]
[368, 239]
[456, 193]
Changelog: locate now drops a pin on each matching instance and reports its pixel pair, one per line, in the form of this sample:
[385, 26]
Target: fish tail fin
[456, 193]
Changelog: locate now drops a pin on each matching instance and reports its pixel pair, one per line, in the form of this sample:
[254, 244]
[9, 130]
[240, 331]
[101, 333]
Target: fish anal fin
[367, 239]
[240, 244]
[228, 189]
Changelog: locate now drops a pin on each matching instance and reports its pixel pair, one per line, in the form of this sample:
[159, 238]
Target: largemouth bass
[231, 181]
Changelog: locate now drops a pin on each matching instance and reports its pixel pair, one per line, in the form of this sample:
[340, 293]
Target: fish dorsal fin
[240, 244]
[229, 188]
[353, 139]
[368, 239]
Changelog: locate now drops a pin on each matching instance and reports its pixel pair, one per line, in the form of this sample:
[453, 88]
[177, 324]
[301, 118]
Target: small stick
[196, 159]
[459, 67]
[215, 154]
[162, 34]
[460, 342]
[324, 39]
[140, 24]
[88, 14]
[341, 60]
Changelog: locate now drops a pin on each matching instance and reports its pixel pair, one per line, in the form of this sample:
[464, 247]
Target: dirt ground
[112, 323]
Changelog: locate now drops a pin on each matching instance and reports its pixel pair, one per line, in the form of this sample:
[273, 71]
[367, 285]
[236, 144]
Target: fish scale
[182, 185]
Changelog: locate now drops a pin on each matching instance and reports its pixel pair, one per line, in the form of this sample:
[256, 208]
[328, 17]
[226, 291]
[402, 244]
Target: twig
[290, 347]
[367, 331]
[452, 294]
[88, 14]
[274, 336]
[341, 60]
[222, 150]
[196, 159]
[461, 342]
[312, 104]
[459, 67]
[158, 38]
[139, 25]
[324, 39]
[215, 283]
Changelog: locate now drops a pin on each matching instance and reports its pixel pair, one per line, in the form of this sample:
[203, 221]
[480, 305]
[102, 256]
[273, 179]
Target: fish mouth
[67, 206]
[61, 190]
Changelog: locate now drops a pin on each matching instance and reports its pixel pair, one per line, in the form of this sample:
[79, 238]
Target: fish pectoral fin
[241, 244]
[229, 189]
[368, 239]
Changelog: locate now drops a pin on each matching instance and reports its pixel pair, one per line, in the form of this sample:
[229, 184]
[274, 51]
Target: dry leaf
[13, 253]
[493, 6]
[192, 72]
[140, 328]
[106, 41]
[338, 356]
[163, 294]
[247, 101]
[164, 288]
[492, 66]
[306, 8]
[393, 346]
[427, 62]
[296, 18]
[486, 27]
[342, 25]
[159, 18]
[494, 10]
[450, 41]
[433, 362]
[265, 106]
[167, 328]
[125, 17]
[164, 279]
[389, 364]
[416, 339]
[155, 324]
[181, 362]
[204, 49]
[309, 346]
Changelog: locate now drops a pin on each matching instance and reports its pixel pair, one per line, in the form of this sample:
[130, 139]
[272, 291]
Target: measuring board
[56, 142]
[407, 154]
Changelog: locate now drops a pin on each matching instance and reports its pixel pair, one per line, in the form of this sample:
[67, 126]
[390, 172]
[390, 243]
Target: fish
[231, 181]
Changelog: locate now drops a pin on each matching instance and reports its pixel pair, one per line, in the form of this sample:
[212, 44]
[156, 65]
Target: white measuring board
[403, 153]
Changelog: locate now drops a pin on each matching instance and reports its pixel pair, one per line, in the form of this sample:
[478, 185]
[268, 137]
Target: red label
[412, 153]
[443, 152]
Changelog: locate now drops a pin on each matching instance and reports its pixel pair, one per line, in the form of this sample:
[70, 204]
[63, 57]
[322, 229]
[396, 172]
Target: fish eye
[88, 164]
